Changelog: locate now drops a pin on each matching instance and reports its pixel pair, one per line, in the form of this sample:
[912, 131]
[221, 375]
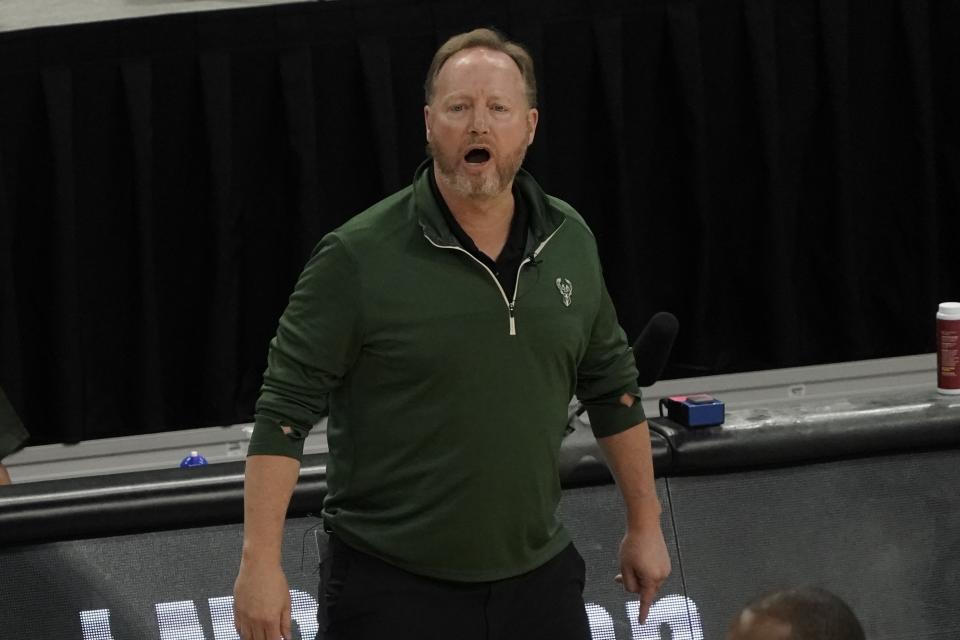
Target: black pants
[363, 598]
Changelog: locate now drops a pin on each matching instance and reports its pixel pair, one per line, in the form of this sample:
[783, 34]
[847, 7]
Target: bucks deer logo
[566, 290]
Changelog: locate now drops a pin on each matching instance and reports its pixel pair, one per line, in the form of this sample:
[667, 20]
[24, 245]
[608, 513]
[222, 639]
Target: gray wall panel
[883, 533]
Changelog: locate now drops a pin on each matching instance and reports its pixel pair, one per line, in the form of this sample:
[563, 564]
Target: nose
[479, 123]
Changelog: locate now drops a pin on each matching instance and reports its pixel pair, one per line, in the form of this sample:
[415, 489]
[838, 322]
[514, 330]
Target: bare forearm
[644, 560]
[630, 460]
[268, 484]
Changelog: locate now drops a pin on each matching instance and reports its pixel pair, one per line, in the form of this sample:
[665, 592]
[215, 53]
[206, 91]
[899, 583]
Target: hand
[261, 602]
[644, 565]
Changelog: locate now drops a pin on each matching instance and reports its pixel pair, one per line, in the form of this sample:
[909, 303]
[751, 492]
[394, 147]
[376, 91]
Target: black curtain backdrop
[784, 177]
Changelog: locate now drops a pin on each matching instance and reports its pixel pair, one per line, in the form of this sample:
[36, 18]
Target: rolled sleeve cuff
[269, 439]
[611, 418]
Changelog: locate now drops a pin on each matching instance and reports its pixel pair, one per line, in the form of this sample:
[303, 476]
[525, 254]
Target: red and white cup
[948, 348]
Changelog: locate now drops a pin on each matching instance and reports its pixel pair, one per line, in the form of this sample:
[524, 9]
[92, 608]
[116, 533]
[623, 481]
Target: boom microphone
[651, 350]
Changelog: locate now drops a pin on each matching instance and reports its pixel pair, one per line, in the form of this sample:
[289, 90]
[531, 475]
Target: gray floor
[29, 14]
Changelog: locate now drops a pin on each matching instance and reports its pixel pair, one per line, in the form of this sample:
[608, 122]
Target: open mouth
[477, 156]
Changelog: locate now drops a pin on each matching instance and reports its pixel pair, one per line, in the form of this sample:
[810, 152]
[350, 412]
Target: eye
[456, 108]
[499, 108]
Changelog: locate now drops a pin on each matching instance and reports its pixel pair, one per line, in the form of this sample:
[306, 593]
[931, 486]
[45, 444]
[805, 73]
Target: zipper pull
[513, 323]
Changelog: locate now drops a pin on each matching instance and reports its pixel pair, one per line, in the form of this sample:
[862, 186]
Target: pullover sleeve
[317, 340]
[606, 372]
[12, 433]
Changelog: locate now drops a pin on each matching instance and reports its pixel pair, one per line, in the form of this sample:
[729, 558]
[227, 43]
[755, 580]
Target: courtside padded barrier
[165, 499]
[802, 432]
[791, 434]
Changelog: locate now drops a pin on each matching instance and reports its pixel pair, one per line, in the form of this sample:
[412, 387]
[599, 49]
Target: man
[12, 434]
[805, 613]
[444, 331]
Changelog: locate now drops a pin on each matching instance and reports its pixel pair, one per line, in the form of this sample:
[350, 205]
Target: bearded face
[479, 123]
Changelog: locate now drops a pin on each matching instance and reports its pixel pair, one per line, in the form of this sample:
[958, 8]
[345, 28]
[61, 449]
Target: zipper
[511, 303]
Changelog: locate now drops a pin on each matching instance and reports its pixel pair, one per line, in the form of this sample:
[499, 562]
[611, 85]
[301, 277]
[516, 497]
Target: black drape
[782, 176]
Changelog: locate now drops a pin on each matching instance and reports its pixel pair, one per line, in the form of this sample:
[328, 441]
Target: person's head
[480, 112]
[805, 613]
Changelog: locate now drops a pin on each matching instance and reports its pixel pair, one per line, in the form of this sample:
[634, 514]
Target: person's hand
[261, 602]
[644, 565]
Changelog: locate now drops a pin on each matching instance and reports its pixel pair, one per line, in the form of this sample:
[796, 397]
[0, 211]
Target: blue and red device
[699, 410]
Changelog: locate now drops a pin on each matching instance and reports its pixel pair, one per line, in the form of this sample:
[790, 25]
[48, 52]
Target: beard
[486, 185]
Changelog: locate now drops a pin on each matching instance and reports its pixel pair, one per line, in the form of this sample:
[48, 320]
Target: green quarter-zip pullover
[447, 399]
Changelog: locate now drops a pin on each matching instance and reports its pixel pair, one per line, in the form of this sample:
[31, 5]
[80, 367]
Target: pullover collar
[543, 220]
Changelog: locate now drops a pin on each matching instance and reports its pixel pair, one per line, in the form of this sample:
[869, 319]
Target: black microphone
[651, 350]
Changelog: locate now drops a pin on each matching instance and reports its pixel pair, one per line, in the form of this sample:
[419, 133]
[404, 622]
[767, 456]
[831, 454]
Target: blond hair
[488, 39]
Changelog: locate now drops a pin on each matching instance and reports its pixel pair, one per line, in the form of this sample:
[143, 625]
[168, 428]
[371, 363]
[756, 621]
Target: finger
[238, 624]
[644, 610]
[276, 632]
[246, 629]
[286, 628]
[647, 595]
[263, 631]
[618, 578]
[630, 582]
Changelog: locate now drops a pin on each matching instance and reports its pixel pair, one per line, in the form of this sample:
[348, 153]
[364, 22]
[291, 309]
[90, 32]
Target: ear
[426, 120]
[533, 116]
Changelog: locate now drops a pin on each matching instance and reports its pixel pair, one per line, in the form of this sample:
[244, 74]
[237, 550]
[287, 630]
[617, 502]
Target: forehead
[479, 67]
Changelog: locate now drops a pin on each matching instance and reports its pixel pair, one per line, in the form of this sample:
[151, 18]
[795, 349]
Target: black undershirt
[507, 264]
